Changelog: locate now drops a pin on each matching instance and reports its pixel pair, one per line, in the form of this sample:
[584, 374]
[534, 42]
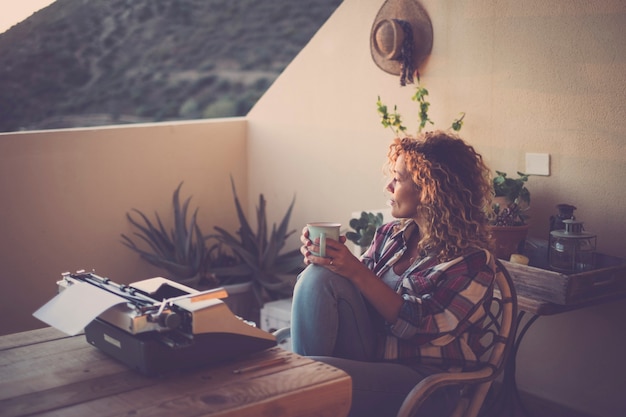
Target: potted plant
[271, 273]
[180, 250]
[508, 219]
[364, 228]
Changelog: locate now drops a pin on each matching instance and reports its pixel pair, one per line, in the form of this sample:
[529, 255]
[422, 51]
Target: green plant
[516, 199]
[364, 229]
[259, 253]
[221, 267]
[181, 250]
[394, 120]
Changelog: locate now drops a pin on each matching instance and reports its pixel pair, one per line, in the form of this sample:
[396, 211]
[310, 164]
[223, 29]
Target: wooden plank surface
[68, 377]
[42, 366]
[30, 337]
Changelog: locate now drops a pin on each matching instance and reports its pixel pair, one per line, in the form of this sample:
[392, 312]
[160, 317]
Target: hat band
[393, 39]
[406, 53]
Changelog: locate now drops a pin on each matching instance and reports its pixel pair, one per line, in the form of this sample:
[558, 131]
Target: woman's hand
[338, 258]
[309, 246]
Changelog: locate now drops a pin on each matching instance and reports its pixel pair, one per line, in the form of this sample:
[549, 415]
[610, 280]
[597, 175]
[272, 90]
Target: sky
[14, 11]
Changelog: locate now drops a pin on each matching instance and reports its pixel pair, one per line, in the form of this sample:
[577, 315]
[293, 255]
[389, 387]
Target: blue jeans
[331, 322]
[329, 317]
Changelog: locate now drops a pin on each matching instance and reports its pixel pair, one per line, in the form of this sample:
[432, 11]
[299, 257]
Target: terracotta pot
[509, 240]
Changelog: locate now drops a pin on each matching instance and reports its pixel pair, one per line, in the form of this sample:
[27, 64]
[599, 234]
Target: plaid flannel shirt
[440, 321]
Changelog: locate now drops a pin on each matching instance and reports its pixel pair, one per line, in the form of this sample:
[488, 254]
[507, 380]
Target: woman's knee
[315, 272]
[314, 278]
[317, 287]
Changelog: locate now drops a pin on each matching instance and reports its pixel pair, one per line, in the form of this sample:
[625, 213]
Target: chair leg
[478, 399]
[461, 407]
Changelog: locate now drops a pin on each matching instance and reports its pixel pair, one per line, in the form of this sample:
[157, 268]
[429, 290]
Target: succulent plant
[364, 228]
[507, 216]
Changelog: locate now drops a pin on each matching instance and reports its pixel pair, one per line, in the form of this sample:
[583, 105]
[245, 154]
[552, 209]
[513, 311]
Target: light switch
[537, 164]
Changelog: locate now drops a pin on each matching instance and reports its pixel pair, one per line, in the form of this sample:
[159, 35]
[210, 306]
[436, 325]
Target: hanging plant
[393, 120]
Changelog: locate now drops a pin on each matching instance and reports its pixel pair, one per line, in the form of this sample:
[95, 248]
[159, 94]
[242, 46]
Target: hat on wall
[401, 38]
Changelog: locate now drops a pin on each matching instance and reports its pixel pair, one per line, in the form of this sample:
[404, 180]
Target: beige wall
[65, 195]
[533, 76]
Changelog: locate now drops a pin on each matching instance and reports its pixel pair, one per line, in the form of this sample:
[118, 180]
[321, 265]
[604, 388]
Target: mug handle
[323, 244]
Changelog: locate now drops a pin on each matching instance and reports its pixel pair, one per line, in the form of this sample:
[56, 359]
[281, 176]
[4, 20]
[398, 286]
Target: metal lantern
[572, 249]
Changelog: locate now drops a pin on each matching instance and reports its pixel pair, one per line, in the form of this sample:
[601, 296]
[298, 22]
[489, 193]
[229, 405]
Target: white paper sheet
[76, 306]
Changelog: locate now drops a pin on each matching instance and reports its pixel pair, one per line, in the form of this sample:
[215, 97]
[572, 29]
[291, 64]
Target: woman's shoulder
[472, 266]
[472, 261]
[480, 263]
[477, 255]
[476, 260]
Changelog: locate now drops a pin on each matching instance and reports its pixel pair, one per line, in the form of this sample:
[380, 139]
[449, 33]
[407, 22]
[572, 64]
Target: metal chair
[498, 338]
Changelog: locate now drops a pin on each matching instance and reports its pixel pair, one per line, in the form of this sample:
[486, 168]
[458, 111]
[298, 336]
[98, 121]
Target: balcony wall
[65, 195]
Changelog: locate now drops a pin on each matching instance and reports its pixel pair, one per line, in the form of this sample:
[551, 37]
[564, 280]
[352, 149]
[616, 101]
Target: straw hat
[401, 38]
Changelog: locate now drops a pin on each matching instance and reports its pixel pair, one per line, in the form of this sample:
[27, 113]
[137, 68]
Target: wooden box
[538, 282]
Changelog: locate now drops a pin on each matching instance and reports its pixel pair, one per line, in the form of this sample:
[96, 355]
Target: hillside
[87, 63]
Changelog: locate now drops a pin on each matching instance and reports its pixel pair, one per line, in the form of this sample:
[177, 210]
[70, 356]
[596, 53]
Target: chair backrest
[500, 325]
[498, 337]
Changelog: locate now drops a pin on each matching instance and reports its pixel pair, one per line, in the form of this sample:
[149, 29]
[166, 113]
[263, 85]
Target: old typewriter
[159, 326]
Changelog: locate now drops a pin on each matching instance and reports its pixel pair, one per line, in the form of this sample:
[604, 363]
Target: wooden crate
[540, 283]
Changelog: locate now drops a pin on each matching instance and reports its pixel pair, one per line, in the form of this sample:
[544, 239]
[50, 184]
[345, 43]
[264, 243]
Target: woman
[409, 306]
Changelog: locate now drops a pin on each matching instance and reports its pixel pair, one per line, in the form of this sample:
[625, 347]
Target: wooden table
[45, 372]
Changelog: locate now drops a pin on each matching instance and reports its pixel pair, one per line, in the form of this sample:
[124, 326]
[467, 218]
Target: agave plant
[181, 251]
[270, 271]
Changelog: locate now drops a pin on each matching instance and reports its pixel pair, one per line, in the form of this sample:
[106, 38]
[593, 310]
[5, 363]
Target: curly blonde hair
[455, 191]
